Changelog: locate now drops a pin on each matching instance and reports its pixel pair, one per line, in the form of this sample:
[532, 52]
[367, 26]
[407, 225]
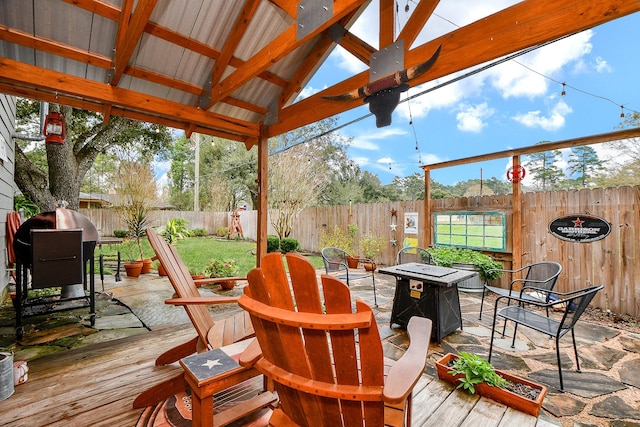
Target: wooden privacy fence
[613, 261]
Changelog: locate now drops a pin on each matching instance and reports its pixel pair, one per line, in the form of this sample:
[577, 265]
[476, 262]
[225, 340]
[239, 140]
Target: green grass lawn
[197, 251]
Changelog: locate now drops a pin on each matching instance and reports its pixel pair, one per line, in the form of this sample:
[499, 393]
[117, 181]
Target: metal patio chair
[574, 304]
[414, 254]
[539, 276]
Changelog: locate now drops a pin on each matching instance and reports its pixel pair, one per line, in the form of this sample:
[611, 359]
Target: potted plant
[467, 259]
[196, 273]
[132, 265]
[352, 260]
[473, 374]
[223, 268]
[370, 247]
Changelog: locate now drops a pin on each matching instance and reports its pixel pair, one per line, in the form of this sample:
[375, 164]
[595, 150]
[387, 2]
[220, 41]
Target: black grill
[52, 250]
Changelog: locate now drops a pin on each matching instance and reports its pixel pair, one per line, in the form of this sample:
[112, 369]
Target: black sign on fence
[580, 228]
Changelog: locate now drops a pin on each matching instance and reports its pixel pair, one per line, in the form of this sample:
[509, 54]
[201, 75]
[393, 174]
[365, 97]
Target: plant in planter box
[371, 246]
[220, 268]
[475, 375]
[446, 256]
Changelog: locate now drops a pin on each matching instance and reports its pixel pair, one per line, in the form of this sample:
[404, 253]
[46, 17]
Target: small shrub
[273, 243]
[199, 232]
[120, 234]
[222, 231]
[221, 268]
[288, 244]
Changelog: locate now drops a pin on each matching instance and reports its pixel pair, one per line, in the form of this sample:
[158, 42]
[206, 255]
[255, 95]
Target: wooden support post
[516, 200]
[263, 185]
[428, 226]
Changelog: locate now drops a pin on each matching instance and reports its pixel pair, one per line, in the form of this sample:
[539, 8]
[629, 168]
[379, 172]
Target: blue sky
[514, 104]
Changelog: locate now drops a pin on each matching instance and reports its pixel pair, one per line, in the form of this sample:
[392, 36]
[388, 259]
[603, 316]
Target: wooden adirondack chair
[210, 334]
[310, 347]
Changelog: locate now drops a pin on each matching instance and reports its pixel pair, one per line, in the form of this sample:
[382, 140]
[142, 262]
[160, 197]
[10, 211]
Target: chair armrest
[405, 373]
[210, 280]
[251, 354]
[201, 300]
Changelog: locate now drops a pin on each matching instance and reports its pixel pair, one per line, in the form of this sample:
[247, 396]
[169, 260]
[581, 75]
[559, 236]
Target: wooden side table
[216, 370]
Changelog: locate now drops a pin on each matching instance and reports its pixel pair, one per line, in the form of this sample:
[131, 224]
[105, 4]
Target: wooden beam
[547, 146]
[386, 31]
[277, 49]
[290, 7]
[51, 81]
[522, 25]
[24, 39]
[357, 47]
[415, 24]
[239, 28]
[129, 38]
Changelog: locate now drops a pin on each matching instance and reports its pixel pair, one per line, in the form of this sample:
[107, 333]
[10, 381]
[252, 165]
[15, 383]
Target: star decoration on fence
[394, 227]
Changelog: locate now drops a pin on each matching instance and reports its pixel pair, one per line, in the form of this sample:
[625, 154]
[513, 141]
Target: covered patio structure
[234, 69]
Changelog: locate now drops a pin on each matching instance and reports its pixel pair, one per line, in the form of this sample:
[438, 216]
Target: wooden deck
[96, 385]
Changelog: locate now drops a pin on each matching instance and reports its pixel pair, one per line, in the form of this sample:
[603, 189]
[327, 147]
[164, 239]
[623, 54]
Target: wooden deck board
[96, 386]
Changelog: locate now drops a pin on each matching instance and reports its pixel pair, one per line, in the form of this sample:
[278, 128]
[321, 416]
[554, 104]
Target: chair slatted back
[414, 254]
[318, 374]
[182, 283]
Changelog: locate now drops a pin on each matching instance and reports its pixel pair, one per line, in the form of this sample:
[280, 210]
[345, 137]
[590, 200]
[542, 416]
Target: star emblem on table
[211, 363]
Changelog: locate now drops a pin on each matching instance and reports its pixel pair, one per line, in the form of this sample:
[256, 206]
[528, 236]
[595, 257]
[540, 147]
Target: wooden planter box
[506, 397]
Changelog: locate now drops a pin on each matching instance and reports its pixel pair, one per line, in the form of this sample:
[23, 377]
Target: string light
[564, 93]
[622, 111]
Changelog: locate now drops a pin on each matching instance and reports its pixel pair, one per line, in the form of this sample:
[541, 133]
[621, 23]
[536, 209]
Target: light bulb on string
[564, 93]
[406, 8]
[622, 111]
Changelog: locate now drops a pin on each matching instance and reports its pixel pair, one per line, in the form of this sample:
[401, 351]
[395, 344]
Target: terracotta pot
[161, 270]
[370, 266]
[506, 397]
[146, 265]
[197, 276]
[352, 262]
[228, 285]
[133, 269]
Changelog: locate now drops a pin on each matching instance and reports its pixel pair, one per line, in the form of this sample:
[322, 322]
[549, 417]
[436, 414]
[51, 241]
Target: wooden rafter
[226, 54]
[277, 49]
[130, 35]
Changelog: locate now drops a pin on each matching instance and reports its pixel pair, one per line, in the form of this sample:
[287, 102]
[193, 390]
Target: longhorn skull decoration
[383, 95]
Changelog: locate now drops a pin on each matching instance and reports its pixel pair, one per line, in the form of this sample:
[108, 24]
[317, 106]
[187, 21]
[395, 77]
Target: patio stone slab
[505, 344]
[619, 423]
[127, 320]
[551, 358]
[588, 333]
[616, 408]
[630, 373]
[599, 357]
[583, 384]
[630, 343]
[562, 405]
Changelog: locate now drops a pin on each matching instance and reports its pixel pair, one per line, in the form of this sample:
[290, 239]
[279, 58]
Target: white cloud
[472, 118]
[524, 76]
[553, 121]
[366, 141]
[602, 66]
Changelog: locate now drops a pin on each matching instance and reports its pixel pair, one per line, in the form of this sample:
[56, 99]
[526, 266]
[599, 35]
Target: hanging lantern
[54, 131]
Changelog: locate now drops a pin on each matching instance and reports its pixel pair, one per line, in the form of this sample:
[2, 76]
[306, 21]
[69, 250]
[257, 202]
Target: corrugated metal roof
[158, 62]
